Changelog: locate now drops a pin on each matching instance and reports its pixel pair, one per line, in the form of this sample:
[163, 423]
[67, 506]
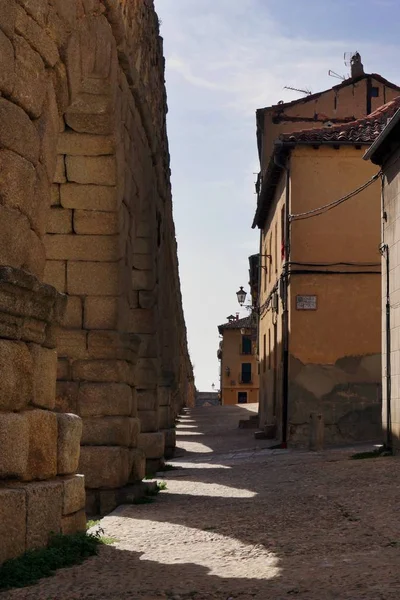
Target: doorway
[242, 397]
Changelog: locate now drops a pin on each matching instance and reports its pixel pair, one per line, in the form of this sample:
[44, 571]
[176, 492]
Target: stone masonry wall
[88, 263]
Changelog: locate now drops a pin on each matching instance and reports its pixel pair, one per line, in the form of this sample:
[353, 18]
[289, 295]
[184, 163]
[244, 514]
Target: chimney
[357, 68]
[237, 316]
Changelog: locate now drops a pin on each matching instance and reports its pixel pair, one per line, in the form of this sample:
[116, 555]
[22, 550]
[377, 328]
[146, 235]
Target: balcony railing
[245, 378]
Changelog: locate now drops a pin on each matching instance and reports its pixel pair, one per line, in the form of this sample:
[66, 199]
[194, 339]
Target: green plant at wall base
[62, 551]
[161, 486]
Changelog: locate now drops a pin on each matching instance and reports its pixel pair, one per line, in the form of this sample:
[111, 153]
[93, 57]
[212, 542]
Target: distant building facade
[319, 278]
[207, 399]
[385, 152]
[239, 366]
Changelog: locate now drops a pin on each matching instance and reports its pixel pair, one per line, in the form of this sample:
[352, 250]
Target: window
[265, 353]
[245, 376]
[374, 92]
[242, 397]
[269, 349]
[283, 232]
[276, 248]
[246, 344]
[264, 261]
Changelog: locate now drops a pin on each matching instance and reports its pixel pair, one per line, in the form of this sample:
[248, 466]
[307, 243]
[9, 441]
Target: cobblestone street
[240, 521]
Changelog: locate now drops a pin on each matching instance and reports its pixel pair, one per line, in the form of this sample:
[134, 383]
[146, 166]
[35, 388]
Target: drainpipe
[384, 249]
[285, 324]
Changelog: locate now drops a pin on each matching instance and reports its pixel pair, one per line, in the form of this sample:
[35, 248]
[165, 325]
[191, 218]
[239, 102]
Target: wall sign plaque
[306, 302]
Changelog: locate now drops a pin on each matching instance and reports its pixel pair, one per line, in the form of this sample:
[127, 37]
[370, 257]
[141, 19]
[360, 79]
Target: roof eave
[376, 150]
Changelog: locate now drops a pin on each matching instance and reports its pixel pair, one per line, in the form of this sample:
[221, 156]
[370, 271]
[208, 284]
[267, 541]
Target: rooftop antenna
[336, 75]
[348, 57]
[307, 92]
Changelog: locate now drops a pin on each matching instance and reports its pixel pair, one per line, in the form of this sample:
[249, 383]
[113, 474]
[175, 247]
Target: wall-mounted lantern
[241, 296]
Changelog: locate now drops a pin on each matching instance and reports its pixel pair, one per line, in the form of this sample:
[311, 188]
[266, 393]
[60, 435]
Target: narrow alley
[238, 520]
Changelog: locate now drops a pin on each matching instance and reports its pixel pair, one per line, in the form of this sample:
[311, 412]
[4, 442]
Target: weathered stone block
[14, 237]
[103, 371]
[88, 197]
[7, 66]
[147, 299]
[37, 37]
[107, 431]
[135, 426]
[143, 280]
[105, 399]
[42, 457]
[79, 144]
[55, 274]
[105, 466]
[55, 195]
[48, 126]
[91, 114]
[146, 375]
[63, 372]
[170, 438]
[101, 312]
[149, 420]
[141, 321]
[35, 261]
[44, 376]
[72, 343]
[108, 501]
[138, 470]
[67, 395]
[59, 175]
[12, 514]
[17, 132]
[73, 315]
[147, 400]
[95, 222]
[73, 523]
[152, 444]
[16, 375]
[164, 395]
[166, 417]
[92, 278]
[37, 9]
[14, 444]
[73, 494]
[29, 85]
[97, 170]
[82, 247]
[8, 14]
[113, 344]
[68, 447]
[59, 220]
[18, 179]
[44, 512]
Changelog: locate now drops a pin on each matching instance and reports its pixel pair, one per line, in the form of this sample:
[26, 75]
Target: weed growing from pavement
[62, 551]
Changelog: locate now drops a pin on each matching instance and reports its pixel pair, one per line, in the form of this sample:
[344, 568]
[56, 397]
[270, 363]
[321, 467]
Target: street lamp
[241, 296]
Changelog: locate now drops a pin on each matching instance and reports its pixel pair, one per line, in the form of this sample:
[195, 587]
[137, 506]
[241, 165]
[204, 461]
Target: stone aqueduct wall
[92, 335]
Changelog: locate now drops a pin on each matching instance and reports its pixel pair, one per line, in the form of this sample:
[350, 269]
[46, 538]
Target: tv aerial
[306, 91]
[348, 58]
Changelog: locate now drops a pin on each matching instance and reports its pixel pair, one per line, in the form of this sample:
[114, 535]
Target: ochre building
[319, 279]
[92, 336]
[239, 381]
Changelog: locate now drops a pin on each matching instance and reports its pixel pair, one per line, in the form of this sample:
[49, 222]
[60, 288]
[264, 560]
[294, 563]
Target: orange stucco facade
[332, 266]
[239, 367]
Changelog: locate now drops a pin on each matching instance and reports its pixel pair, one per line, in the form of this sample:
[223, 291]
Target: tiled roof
[245, 323]
[361, 131]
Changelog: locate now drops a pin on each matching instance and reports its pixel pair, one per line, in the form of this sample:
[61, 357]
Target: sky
[225, 59]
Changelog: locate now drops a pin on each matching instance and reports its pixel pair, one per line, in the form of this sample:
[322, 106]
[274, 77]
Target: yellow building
[239, 366]
[319, 291]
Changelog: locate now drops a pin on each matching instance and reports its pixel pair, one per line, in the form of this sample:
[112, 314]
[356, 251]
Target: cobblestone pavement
[241, 521]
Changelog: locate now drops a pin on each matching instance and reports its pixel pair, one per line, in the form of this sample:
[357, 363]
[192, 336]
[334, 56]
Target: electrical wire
[316, 212]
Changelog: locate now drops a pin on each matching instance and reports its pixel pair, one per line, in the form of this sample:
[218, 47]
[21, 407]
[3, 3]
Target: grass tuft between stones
[62, 551]
[382, 451]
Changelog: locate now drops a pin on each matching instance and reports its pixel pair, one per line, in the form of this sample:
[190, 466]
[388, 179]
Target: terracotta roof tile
[245, 323]
[361, 131]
